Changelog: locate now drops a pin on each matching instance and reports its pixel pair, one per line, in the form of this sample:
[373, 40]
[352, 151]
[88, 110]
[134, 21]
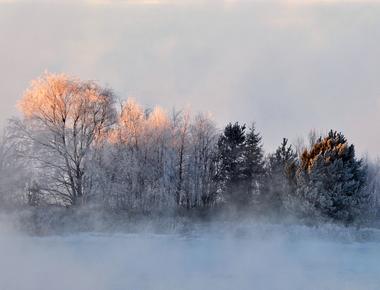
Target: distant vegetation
[75, 146]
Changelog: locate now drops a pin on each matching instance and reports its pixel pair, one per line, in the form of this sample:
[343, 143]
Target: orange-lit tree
[331, 181]
[63, 118]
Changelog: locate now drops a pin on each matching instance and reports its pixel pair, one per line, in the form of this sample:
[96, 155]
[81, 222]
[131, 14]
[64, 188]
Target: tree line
[76, 145]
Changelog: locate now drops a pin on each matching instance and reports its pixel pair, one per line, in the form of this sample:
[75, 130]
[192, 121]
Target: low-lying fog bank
[239, 254]
[69, 221]
[212, 256]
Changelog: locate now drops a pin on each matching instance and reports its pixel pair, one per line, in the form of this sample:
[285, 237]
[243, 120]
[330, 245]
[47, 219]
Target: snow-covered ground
[209, 257]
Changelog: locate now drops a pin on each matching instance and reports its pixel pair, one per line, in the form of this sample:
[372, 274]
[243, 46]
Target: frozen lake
[241, 257]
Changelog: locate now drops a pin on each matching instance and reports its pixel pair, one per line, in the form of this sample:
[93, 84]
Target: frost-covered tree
[127, 158]
[160, 158]
[139, 161]
[181, 127]
[280, 178]
[14, 174]
[62, 119]
[199, 181]
[373, 187]
[154, 162]
[240, 165]
[331, 180]
[254, 170]
[230, 173]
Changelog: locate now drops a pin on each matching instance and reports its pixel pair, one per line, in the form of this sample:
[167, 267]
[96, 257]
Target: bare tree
[63, 118]
[203, 137]
[14, 175]
[181, 125]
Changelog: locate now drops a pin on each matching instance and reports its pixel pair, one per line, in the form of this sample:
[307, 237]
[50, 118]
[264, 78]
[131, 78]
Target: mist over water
[212, 256]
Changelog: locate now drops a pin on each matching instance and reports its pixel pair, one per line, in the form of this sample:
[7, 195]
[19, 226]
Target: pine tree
[331, 181]
[280, 179]
[253, 166]
[230, 173]
[240, 162]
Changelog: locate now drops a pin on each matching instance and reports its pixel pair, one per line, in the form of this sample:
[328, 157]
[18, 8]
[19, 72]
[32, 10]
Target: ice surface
[211, 257]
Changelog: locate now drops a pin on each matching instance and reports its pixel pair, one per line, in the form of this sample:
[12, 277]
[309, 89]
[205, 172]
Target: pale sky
[290, 66]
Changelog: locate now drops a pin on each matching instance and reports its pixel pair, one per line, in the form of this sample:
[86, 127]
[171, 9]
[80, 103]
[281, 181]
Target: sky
[289, 66]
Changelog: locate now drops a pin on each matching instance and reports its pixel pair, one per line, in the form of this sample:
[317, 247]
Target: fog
[208, 256]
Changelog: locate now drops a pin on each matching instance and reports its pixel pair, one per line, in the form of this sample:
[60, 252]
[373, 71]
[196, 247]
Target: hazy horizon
[290, 66]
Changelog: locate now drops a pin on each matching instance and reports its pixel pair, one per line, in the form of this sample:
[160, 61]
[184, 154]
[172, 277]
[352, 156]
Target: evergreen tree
[240, 162]
[253, 166]
[281, 168]
[331, 181]
[230, 173]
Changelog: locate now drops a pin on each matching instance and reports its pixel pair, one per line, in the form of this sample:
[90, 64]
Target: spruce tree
[280, 179]
[230, 158]
[253, 166]
[240, 162]
[331, 180]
